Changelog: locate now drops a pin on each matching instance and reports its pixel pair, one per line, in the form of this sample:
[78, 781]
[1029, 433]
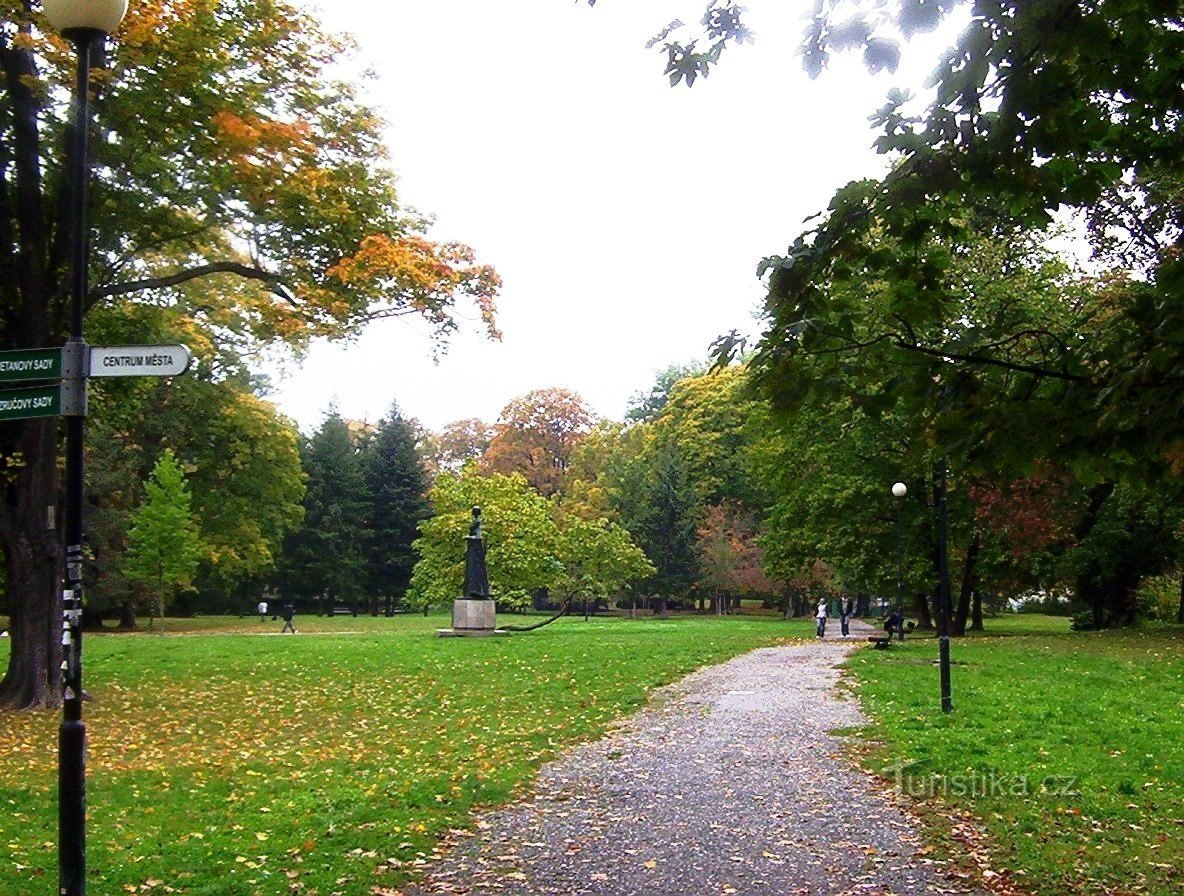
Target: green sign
[30, 364]
[39, 401]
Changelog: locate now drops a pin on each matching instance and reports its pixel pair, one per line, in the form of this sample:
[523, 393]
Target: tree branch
[990, 362]
[250, 272]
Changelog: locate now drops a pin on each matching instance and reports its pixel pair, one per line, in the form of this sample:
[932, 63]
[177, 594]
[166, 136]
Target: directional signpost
[45, 364]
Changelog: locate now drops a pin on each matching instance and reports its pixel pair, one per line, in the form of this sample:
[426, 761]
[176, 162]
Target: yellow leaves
[264, 151]
[427, 275]
[147, 24]
[414, 262]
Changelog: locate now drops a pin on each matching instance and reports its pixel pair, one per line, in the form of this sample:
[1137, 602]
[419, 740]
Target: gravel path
[727, 783]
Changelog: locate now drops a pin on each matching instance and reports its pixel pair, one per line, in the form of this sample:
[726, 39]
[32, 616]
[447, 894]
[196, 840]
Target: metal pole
[900, 558]
[72, 735]
[943, 587]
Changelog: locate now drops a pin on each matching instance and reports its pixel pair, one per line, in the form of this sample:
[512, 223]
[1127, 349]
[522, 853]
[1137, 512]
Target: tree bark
[969, 571]
[924, 618]
[976, 615]
[33, 570]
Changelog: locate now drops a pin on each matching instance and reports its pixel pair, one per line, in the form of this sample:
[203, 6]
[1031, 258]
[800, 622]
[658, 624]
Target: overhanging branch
[250, 272]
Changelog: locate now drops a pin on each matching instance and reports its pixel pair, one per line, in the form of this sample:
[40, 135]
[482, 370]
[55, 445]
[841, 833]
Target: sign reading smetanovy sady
[30, 364]
[139, 360]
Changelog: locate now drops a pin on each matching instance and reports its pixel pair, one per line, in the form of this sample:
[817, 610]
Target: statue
[476, 575]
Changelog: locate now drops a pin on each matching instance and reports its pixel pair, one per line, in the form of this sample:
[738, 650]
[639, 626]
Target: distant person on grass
[262, 608]
[289, 611]
[820, 616]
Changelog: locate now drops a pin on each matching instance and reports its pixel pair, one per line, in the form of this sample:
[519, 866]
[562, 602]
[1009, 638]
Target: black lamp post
[85, 23]
[899, 490]
[943, 585]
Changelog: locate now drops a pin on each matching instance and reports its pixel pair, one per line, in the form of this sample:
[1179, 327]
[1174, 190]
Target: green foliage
[659, 505]
[714, 419]
[644, 407]
[165, 544]
[396, 503]
[598, 558]
[328, 553]
[522, 550]
[1059, 744]
[243, 471]
[531, 544]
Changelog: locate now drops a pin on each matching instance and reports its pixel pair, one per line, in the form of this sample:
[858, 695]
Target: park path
[730, 782]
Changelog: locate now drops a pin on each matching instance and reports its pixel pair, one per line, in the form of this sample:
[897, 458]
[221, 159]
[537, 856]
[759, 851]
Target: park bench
[343, 611]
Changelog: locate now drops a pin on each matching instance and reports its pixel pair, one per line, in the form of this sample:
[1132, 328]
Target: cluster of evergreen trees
[366, 496]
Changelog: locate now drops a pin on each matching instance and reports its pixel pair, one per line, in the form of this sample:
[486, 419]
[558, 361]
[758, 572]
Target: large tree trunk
[924, 618]
[1088, 590]
[976, 616]
[33, 570]
[969, 570]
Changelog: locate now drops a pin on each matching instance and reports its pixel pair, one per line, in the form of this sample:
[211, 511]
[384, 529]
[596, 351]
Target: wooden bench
[882, 642]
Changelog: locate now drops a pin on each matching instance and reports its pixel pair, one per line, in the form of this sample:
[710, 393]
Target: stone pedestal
[471, 618]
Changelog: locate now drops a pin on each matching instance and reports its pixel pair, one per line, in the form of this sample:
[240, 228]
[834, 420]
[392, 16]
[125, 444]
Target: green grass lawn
[1068, 748]
[226, 759]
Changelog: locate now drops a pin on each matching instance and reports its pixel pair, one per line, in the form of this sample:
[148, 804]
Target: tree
[644, 407]
[244, 474]
[598, 559]
[536, 435]
[658, 504]
[457, 443]
[731, 560]
[327, 555]
[396, 499]
[269, 177]
[520, 536]
[165, 544]
[714, 418]
[1039, 109]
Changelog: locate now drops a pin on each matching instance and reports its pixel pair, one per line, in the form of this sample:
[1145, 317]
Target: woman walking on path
[820, 616]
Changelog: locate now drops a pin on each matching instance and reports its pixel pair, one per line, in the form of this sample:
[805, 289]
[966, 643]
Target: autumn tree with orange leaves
[236, 183]
[536, 435]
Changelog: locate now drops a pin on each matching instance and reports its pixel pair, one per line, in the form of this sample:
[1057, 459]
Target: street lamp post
[943, 585]
[899, 490]
[85, 23]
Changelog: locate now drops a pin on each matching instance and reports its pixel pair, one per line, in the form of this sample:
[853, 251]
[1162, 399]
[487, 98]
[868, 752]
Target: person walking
[820, 617]
[289, 612]
[846, 610]
[262, 608]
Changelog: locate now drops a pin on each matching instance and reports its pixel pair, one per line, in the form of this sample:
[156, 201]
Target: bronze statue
[476, 575]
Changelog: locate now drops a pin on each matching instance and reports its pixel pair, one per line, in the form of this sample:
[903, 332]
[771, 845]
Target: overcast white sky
[625, 217]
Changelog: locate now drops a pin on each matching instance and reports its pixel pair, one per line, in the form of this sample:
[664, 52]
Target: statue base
[471, 618]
